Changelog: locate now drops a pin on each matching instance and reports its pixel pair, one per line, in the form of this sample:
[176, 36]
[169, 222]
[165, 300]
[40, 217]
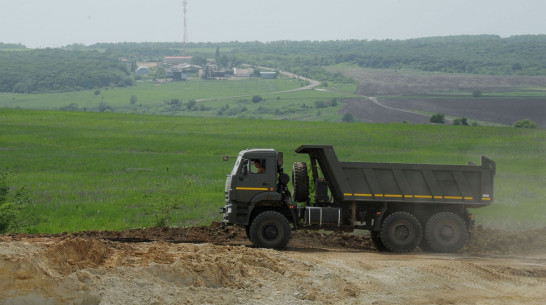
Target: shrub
[12, 216]
[348, 118]
[103, 107]
[191, 104]
[461, 121]
[320, 104]
[438, 118]
[526, 123]
[476, 93]
[4, 188]
[257, 99]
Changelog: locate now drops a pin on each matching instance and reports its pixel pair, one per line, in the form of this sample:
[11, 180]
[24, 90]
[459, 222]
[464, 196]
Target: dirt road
[216, 265]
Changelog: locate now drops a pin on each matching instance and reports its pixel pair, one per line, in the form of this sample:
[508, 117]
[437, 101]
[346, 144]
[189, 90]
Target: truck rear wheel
[446, 232]
[300, 182]
[270, 229]
[401, 232]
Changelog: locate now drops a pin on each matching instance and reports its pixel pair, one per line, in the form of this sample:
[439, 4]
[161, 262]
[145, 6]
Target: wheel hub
[446, 232]
[270, 232]
[401, 232]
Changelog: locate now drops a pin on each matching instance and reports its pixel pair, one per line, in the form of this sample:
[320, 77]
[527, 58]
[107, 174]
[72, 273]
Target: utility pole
[185, 26]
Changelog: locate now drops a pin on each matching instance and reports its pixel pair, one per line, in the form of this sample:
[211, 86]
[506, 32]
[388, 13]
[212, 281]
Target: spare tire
[300, 182]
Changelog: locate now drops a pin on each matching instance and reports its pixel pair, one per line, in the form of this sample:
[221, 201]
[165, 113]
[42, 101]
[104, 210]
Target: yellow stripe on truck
[363, 195]
[251, 188]
[410, 196]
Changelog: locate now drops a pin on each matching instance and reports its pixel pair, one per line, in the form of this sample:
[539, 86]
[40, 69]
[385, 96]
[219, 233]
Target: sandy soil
[217, 265]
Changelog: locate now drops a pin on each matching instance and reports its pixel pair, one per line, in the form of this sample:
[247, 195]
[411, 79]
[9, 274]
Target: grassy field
[90, 171]
[214, 98]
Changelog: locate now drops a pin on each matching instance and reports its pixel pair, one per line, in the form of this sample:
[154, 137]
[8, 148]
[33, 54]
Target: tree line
[55, 70]
[481, 54]
[76, 67]
[473, 54]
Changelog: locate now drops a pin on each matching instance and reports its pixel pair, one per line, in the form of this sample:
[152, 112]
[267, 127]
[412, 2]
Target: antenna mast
[185, 26]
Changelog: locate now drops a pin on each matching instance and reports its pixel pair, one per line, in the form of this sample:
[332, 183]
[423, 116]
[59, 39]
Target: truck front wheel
[401, 232]
[270, 229]
[446, 232]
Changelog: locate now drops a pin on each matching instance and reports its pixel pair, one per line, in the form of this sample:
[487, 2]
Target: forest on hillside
[78, 66]
[56, 70]
[479, 54]
[484, 54]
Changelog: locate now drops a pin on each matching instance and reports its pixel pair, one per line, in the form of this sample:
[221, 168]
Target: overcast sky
[54, 23]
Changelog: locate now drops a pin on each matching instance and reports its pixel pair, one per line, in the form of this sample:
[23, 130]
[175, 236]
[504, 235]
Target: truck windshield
[236, 166]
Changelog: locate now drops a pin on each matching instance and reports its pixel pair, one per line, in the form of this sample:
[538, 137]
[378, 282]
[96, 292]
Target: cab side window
[257, 166]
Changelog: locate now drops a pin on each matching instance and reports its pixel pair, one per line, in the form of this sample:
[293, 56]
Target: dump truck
[403, 206]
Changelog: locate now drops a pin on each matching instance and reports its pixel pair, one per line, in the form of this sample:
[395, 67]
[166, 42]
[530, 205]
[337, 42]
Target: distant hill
[78, 67]
[473, 54]
[483, 54]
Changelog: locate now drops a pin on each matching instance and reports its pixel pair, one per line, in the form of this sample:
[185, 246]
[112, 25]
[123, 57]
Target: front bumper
[235, 214]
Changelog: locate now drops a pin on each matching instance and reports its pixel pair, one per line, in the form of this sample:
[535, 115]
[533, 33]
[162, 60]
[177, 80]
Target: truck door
[256, 175]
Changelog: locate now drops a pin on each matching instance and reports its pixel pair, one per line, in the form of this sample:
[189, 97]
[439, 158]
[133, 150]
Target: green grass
[211, 95]
[90, 171]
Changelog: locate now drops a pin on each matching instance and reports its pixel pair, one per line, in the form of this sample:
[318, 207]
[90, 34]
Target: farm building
[176, 60]
[180, 72]
[142, 71]
[268, 75]
[238, 72]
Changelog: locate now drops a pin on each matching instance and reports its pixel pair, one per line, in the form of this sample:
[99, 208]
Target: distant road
[312, 84]
[378, 103]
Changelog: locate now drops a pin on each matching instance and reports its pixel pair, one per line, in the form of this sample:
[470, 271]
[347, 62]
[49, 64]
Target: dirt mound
[77, 253]
[483, 240]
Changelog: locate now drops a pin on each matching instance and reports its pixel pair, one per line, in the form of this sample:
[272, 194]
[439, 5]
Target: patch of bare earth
[384, 83]
[374, 82]
[365, 110]
[217, 265]
[501, 111]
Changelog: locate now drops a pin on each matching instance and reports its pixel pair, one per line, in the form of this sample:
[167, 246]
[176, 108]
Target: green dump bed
[470, 185]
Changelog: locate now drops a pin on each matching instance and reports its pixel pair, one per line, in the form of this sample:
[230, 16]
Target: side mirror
[279, 158]
[225, 157]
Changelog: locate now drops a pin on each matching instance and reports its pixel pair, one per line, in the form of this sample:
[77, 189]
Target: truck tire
[270, 229]
[300, 182]
[401, 232]
[446, 232]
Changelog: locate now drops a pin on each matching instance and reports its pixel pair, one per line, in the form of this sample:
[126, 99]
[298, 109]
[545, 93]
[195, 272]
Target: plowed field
[217, 265]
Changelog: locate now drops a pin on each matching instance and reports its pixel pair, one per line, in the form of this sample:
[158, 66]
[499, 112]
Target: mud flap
[379, 219]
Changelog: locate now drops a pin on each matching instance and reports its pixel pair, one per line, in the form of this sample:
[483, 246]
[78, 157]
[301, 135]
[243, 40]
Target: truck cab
[257, 186]
[254, 172]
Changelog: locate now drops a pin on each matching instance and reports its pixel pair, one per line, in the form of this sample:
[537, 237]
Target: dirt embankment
[217, 265]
